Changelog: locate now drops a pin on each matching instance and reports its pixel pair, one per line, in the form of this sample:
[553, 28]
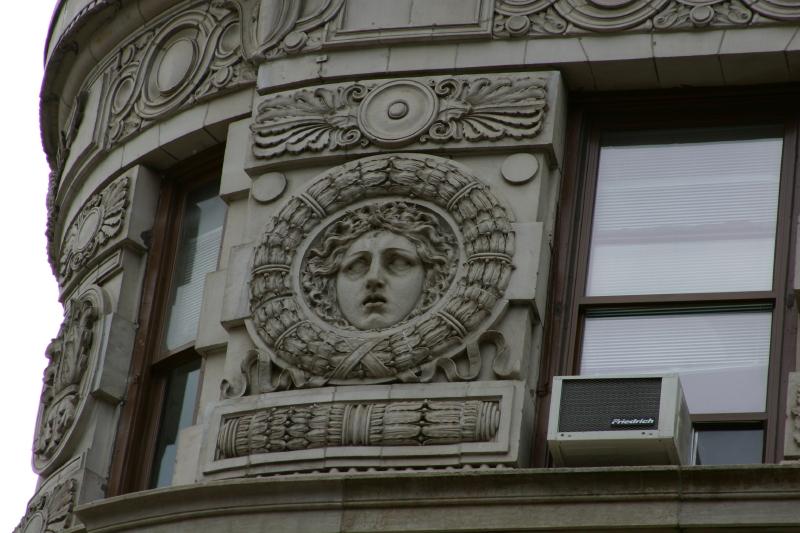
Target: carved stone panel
[50, 511]
[397, 113]
[181, 58]
[98, 221]
[409, 423]
[385, 269]
[73, 358]
[569, 17]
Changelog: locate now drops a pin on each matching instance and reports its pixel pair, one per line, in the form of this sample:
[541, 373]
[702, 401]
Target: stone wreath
[293, 320]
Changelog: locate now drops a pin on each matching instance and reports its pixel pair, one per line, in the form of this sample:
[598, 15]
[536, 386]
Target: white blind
[197, 256]
[685, 217]
[722, 357]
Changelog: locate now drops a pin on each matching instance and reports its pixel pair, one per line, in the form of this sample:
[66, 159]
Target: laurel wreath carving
[310, 353]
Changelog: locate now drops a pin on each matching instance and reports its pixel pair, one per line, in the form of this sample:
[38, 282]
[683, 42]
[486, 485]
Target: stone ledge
[603, 499]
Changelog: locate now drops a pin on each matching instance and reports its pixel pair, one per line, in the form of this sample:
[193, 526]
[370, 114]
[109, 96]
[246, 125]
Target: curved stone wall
[438, 120]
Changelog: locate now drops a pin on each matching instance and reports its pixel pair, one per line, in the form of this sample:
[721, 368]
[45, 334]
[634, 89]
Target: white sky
[31, 313]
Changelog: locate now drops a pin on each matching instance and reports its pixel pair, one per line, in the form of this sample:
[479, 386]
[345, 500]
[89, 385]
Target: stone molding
[399, 112]
[702, 499]
[72, 365]
[411, 423]
[310, 349]
[51, 510]
[99, 220]
[792, 441]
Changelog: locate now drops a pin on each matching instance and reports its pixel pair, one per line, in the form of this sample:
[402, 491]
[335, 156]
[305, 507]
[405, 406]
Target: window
[166, 370]
[673, 255]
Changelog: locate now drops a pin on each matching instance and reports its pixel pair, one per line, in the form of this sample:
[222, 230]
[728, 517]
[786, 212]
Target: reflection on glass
[721, 357]
[728, 446]
[177, 413]
[198, 250]
[684, 217]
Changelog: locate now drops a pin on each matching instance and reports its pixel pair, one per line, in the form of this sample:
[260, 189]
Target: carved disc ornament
[384, 270]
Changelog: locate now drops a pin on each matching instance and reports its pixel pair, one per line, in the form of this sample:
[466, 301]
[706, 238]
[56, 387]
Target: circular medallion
[35, 524]
[175, 65]
[379, 270]
[519, 168]
[122, 94]
[608, 15]
[397, 112]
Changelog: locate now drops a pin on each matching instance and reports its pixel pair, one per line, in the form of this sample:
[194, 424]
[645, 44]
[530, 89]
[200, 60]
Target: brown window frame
[140, 419]
[592, 114]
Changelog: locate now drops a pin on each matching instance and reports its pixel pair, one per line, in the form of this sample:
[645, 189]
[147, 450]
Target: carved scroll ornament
[406, 423]
[50, 512]
[98, 221]
[794, 411]
[65, 377]
[180, 59]
[398, 113]
[417, 248]
[567, 17]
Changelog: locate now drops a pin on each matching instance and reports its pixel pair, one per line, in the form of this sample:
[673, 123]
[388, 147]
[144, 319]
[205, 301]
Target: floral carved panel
[385, 269]
[99, 221]
[72, 360]
[398, 113]
[184, 57]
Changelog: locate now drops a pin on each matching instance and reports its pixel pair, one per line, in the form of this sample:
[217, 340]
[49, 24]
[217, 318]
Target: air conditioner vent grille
[609, 404]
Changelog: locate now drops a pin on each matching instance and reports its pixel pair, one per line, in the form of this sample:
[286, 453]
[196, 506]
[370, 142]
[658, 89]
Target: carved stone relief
[400, 423]
[98, 221]
[566, 17]
[50, 512]
[398, 113]
[385, 269]
[182, 58]
[71, 360]
[794, 410]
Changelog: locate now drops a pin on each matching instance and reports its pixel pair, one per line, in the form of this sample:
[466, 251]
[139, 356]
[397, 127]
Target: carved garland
[410, 423]
[50, 512]
[398, 113]
[310, 352]
[70, 356]
[98, 221]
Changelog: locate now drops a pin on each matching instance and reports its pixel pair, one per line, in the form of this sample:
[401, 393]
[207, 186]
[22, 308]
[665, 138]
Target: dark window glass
[728, 446]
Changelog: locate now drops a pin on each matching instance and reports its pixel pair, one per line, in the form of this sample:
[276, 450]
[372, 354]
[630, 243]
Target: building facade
[321, 261]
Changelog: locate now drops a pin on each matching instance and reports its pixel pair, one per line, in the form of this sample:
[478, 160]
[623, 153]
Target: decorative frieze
[384, 269]
[406, 423]
[183, 57]
[573, 17]
[51, 511]
[98, 221]
[399, 112]
[64, 391]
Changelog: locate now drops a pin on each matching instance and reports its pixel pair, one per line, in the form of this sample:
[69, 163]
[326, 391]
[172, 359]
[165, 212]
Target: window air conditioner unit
[619, 420]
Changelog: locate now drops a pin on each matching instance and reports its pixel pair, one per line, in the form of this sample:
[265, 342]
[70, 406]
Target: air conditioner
[619, 420]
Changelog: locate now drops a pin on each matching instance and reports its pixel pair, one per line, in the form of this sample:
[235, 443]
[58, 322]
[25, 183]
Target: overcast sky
[30, 314]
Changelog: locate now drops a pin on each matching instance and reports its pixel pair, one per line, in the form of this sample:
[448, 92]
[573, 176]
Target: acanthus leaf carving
[50, 512]
[99, 220]
[682, 14]
[390, 423]
[69, 357]
[399, 113]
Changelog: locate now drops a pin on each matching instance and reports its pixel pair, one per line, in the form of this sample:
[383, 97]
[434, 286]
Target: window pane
[728, 446]
[178, 413]
[685, 217]
[721, 356]
[198, 251]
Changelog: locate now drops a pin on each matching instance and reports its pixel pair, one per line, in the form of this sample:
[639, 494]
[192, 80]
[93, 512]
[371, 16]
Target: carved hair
[435, 245]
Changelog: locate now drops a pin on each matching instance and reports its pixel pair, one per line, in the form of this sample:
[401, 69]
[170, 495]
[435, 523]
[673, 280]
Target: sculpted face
[380, 280]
